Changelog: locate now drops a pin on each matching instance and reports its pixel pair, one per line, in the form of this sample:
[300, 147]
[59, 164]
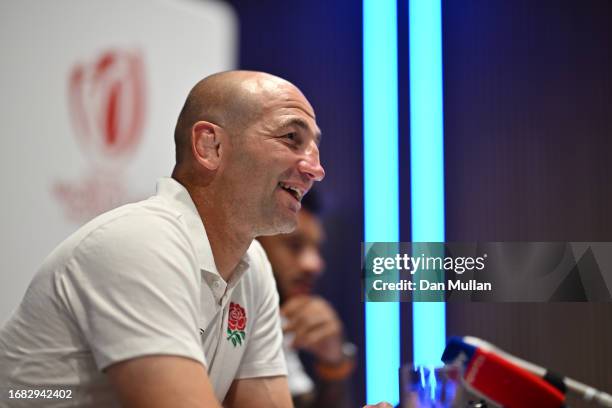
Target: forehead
[284, 105]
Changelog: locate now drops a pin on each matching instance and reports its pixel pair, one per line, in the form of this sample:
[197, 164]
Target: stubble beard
[276, 220]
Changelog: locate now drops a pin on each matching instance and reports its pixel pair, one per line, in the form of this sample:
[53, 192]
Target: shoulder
[146, 236]
[125, 224]
[144, 224]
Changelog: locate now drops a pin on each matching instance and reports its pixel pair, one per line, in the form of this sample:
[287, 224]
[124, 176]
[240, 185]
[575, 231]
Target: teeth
[297, 192]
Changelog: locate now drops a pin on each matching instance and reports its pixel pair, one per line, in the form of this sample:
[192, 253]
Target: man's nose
[310, 164]
[312, 262]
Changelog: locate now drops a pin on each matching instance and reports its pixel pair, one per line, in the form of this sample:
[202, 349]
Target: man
[169, 302]
[310, 323]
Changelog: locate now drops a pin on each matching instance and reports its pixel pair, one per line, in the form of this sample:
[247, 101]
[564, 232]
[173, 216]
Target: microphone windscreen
[507, 384]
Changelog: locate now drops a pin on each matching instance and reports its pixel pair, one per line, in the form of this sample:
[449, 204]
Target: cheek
[291, 270]
[246, 165]
[285, 286]
[285, 269]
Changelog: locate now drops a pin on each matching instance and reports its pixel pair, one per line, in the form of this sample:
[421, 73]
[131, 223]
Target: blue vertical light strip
[381, 202]
[427, 163]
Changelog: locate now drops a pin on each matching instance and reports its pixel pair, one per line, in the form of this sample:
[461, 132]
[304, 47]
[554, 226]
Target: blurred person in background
[310, 323]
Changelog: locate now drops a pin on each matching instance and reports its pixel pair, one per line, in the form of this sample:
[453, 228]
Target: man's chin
[301, 290]
[281, 225]
[287, 225]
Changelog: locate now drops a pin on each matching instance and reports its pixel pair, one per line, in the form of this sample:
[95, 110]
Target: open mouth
[295, 192]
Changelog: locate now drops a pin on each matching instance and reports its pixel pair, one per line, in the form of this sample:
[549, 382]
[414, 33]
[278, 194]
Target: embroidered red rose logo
[236, 323]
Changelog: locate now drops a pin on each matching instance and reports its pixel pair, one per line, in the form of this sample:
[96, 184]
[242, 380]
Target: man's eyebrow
[301, 123]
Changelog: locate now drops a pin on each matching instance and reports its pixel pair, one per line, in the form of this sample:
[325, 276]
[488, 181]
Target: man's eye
[295, 246]
[291, 136]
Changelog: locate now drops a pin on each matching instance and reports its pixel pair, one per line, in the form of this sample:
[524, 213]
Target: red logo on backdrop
[107, 105]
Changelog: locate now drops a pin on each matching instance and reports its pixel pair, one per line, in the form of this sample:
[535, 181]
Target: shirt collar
[179, 198]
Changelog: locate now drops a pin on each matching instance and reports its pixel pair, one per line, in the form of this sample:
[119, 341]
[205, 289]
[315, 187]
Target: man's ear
[205, 144]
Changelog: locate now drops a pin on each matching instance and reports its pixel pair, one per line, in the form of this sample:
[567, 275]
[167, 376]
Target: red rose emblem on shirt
[236, 323]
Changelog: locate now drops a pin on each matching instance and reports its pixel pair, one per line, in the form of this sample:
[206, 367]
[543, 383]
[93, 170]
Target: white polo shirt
[136, 281]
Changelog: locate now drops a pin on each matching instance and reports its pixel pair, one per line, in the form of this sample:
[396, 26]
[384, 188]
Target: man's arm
[263, 392]
[162, 382]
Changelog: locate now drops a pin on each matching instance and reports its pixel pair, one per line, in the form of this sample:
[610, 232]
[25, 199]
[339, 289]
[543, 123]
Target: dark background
[528, 128]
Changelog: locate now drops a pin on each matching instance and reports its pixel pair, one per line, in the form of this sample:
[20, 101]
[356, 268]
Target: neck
[228, 246]
[227, 240]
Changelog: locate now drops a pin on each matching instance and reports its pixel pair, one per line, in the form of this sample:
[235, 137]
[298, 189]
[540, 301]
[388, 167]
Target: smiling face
[274, 161]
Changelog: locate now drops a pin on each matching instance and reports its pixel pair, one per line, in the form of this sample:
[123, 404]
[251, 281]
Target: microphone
[503, 383]
[458, 345]
[564, 384]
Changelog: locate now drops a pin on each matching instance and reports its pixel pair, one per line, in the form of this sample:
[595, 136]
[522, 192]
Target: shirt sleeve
[132, 288]
[264, 355]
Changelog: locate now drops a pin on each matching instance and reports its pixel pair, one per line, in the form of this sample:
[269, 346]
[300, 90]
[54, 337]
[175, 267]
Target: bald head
[231, 99]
